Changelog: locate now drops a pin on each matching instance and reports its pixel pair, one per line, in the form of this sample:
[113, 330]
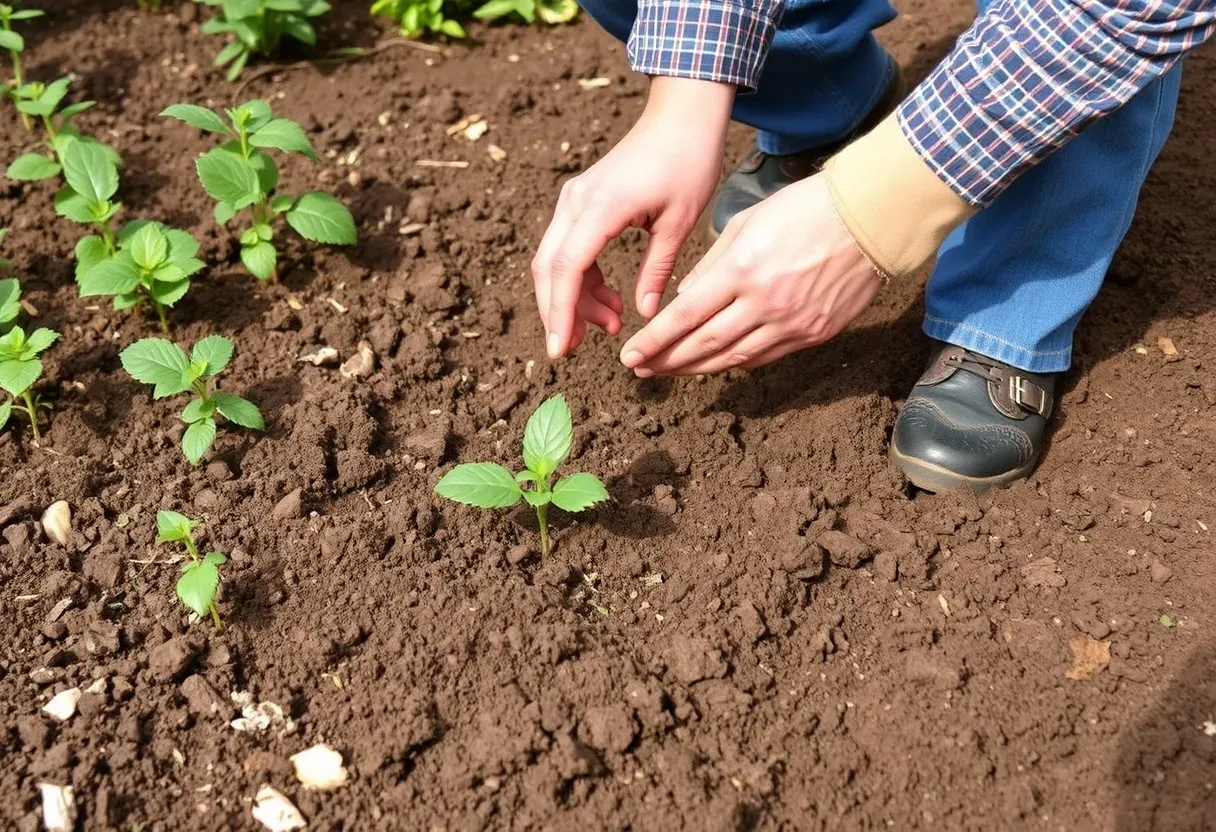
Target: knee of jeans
[613, 16]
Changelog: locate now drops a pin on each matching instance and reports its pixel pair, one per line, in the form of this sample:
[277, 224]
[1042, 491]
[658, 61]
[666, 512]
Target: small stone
[187, 13]
[844, 549]
[1159, 572]
[276, 812]
[218, 471]
[802, 559]
[752, 621]
[319, 767]
[58, 807]
[57, 523]
[608, 728]
[886, 565]
[289, 507]
[169, 660]
[319, 356]
[693, 659]
[63, 704]
[104, 569]
[418, 209]
[203, 698]
[43, 676]
[430, 443]
[360, 365]
[518, 554]
[34, 732]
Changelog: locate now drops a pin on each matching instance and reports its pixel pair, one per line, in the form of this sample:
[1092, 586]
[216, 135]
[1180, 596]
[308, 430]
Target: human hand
[659, 177]
[784, 275]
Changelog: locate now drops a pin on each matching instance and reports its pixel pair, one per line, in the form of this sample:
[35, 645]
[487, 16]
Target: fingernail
[650, 304]
[642, 372]
[632, 359]
[554, 345]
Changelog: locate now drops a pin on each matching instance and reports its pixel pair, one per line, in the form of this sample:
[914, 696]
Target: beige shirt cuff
[897, 209]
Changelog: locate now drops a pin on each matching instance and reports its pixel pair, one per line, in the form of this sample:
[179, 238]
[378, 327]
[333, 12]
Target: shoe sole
[938, 480]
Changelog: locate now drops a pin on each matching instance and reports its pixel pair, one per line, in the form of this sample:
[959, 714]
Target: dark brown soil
[915, 679]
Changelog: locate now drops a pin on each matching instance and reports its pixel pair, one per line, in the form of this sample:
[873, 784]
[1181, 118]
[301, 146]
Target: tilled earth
[765, 630]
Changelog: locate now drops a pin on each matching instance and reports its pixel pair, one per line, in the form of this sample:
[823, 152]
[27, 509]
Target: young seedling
[43, 100]
[259, 26]
[152, 264]
[240, 174]
[200, 579]
[414, 17]
[552, 12]
[20, 369]
[164, 365]
[547, 439]
[14, 44]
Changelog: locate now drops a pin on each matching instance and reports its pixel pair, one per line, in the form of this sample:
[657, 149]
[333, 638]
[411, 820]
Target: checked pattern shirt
[1023, 80]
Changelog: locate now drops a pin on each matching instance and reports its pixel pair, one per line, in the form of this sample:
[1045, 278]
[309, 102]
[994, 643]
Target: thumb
[658, 263]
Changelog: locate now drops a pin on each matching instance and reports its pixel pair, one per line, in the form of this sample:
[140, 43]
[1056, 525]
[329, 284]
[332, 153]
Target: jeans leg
[823, 75]
[1013, 282]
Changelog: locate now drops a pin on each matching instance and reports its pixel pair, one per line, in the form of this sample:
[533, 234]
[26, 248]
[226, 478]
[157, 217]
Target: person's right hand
[659, 177]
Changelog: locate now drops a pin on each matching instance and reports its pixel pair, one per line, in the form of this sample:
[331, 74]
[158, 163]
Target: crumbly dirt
[692, 656]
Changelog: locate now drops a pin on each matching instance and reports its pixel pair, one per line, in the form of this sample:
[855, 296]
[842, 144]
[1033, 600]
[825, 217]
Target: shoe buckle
[1026, 394]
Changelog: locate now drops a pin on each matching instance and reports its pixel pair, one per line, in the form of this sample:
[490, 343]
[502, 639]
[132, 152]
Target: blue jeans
[1014, 280]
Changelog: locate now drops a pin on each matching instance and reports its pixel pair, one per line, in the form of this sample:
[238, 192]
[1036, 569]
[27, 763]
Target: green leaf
[482, 484]
[40, 339]
[229, 52]
[158, 362]
[182, 246]
[283, 134]
[32, 167]
[266, 169]
[525, 476]
[52, 95]
[71, 205]
[578, 492]
[6, 410]
[217, 558]
[495, 9]
[452, 29]
[547, 437]
[73, 110]
[238, 411]
[281, 203]
[197, 439]
[228, 178]
[196, 116]
[12, 41]
[323, 219]
[90, 253]
[257, 112]
[89, 171]
[167, 294]
[17, 375]
[214, 351]
[168, 273]
[197, 586]
[149, 248]
[260, 259]
[113, 276]
[538, 498]
[558, 11]
[10, 299]
[301, 30]
[26, 14]
[197, 409]
[128, 300]
[223, 213]
[172, 527]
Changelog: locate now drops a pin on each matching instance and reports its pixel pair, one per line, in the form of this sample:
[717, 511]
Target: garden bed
[687, 658]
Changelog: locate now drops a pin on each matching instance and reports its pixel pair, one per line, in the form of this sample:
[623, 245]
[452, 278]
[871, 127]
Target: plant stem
[192, 549]
[164, 321]
[542, 516]
[32, 410]
[215, 617]
[17, 80]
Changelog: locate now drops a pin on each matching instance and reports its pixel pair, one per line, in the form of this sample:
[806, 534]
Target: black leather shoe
[971, 423]
[761, 175]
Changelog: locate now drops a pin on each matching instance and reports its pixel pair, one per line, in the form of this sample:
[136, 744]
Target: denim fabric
[1013, 282]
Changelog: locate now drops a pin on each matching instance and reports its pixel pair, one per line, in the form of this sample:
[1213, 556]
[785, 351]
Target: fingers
[542, 277]
[719, 332]
[599, 304]
[685, 314]
[758, 342]
[568, 269]
[711, 257]
[658, 263]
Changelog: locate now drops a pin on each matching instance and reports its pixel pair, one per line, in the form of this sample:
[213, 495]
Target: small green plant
[553, 13]
[43, 100]
[14, 44]
[416, 17]
[200, 579]
[165, 365]
[240, 174]
[547, 440]
[10, 293]
[152, 264]
[258, 27]
[20, 369]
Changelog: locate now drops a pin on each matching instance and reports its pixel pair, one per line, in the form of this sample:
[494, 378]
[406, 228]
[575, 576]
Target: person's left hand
[784, 275]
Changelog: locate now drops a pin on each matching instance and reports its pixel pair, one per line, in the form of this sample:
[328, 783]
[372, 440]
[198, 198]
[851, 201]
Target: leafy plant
[200, 579]
[259, 26]
[43, 100]
[10, 292]
[165, 365]
[553, 13]
[240, 174]
[20, 369]
[152, 263]
[414, 17]
[547, 439]
[14, 44]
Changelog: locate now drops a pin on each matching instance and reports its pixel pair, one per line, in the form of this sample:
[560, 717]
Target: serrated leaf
[238, 411]
[197, 409]
[578, 492]
[196, 116]
[158, 362]
[482, 484]
[547, 437]
[228, 178]
[198, 437]
[283, 134]
[182, 246]
[112, 276]
[197, 586]
[32, 167]
[172, 526]
[6, 411]
[214, 351]
[149, 247]
[167, 273]
[75, 207]
[167, 294]
[90, 253]
[17, 375]
[323, 219]
[538, 498]
[261, 259]
[89, 171]
[40, 339]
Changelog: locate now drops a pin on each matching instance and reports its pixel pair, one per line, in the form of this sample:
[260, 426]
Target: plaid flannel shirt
[1022, 81]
